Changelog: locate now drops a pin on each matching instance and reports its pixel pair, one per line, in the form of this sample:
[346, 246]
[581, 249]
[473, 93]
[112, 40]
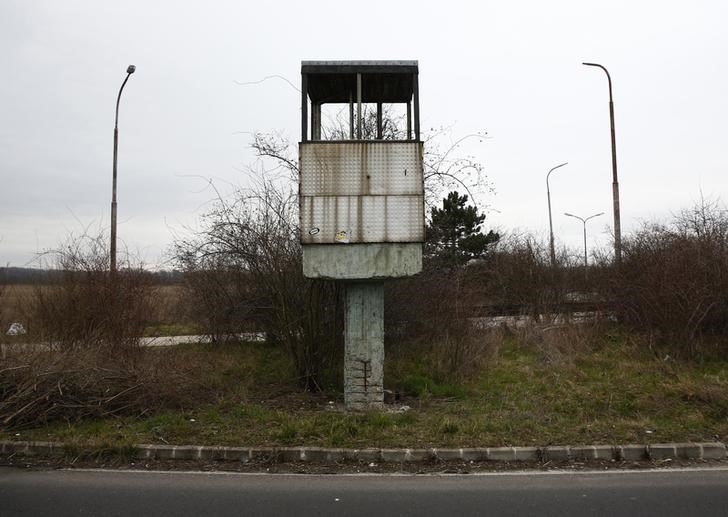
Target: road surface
[94, 492]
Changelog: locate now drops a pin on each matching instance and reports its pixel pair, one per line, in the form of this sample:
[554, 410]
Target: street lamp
[130, 70]
[551, 226]
[615, 183]
[584, 223]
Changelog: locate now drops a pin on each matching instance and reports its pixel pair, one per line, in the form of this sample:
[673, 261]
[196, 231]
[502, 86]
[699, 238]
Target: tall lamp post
[584, 223]
[615, 182]
[551, 225]
[130, 70]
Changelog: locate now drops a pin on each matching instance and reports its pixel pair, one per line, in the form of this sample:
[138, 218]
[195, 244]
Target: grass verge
[611, 394]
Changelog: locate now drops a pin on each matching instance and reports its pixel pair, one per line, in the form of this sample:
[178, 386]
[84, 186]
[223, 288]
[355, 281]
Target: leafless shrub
[429, 314]
[222, 300]
[518, 278]
[38, 385]
[246, 259]
[561, 342]
[83, 305]
[673, 280]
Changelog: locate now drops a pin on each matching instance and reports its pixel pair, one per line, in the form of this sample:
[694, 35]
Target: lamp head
[131, 69]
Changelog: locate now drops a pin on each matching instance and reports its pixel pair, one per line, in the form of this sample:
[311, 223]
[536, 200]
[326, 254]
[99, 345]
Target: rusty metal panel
[361, 169]
[361, 219]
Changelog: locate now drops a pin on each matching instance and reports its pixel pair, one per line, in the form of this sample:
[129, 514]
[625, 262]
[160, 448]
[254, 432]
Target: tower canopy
[381, 81]
[358, 83]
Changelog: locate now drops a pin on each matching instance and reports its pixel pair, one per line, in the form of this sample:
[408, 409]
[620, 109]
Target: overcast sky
[510, 68]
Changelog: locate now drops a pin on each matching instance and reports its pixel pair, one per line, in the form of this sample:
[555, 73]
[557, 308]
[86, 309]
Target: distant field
[14, 301]
[169, 310]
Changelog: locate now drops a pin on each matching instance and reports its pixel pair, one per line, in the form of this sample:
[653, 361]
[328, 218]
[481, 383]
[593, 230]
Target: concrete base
[362, 261]
[364, 346]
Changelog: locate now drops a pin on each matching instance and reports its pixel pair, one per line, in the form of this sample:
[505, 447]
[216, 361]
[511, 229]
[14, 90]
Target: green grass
[612, 394]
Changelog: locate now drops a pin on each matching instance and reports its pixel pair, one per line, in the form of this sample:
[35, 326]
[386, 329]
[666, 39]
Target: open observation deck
[361, 179]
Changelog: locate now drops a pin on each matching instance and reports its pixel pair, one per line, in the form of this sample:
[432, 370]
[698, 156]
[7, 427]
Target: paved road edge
[631, 452]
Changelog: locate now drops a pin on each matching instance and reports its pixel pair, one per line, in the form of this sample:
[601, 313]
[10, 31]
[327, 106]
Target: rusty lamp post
[130, 70]
[551, 226]
[615, 182]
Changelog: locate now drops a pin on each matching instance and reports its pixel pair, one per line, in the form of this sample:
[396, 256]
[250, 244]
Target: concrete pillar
[364, 346]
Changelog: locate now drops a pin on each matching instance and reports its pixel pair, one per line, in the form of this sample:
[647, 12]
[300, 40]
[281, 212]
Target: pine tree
[454, 235]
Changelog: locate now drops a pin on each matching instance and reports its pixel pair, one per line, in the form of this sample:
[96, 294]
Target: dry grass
[14, 301]
[608, 393]
[170, 311]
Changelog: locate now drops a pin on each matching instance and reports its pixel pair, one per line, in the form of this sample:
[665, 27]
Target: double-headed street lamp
[130, 70]
[584, 223]
[551, 225]
[615, 183]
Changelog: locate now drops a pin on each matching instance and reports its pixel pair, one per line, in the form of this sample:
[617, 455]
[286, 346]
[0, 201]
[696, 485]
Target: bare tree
[254, 239]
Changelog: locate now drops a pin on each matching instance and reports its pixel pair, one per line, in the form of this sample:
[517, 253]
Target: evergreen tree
[454, 235]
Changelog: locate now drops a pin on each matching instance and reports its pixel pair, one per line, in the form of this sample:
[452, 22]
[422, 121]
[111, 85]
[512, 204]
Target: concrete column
[364, 346]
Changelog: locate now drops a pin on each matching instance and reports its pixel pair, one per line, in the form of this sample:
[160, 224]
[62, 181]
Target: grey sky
[512, 69]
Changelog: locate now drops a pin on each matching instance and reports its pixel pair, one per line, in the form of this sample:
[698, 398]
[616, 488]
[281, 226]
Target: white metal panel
[361, 168]
[361, 219]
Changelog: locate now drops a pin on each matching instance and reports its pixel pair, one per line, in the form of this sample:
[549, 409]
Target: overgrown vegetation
[81, 357]
[541, 386]
[490, 345]
[673, 282]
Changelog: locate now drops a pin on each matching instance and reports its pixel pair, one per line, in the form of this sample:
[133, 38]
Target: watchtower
[361, 197]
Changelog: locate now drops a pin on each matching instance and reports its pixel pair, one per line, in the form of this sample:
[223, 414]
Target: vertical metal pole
[615, 181]
[358, 106]
[551, 226]
[113, 202]
[615, 184]
[304, 107]
[416, 88]
[112, 251]
[316, 121]
[409, 120]
[379, 120]
[364, 346]
[585, 263]
[351, 116]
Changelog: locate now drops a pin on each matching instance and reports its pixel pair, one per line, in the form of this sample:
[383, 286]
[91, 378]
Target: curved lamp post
[584, 223]
[551, 226]
[130, 70]
[615, 183]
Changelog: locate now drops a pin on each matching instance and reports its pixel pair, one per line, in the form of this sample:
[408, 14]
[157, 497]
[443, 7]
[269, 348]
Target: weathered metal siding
[361, 192]
[365, 219]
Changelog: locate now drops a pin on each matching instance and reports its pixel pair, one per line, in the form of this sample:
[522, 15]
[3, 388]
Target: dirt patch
[273, 467]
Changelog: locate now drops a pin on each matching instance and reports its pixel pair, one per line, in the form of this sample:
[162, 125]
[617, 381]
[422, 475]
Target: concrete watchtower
[361, 202]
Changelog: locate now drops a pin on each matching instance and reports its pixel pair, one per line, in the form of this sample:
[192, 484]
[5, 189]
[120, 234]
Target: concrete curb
[656, 452]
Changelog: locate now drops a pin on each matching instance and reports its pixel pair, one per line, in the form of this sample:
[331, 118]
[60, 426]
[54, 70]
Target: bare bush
[89, 362]
[560, 343]
[247, 259]
[673, 280]
[39, 385]
[430, 314]
[518, 278]
[84, 305]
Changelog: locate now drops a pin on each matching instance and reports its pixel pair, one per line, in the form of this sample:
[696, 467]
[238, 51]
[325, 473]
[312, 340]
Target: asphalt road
[89, 492]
